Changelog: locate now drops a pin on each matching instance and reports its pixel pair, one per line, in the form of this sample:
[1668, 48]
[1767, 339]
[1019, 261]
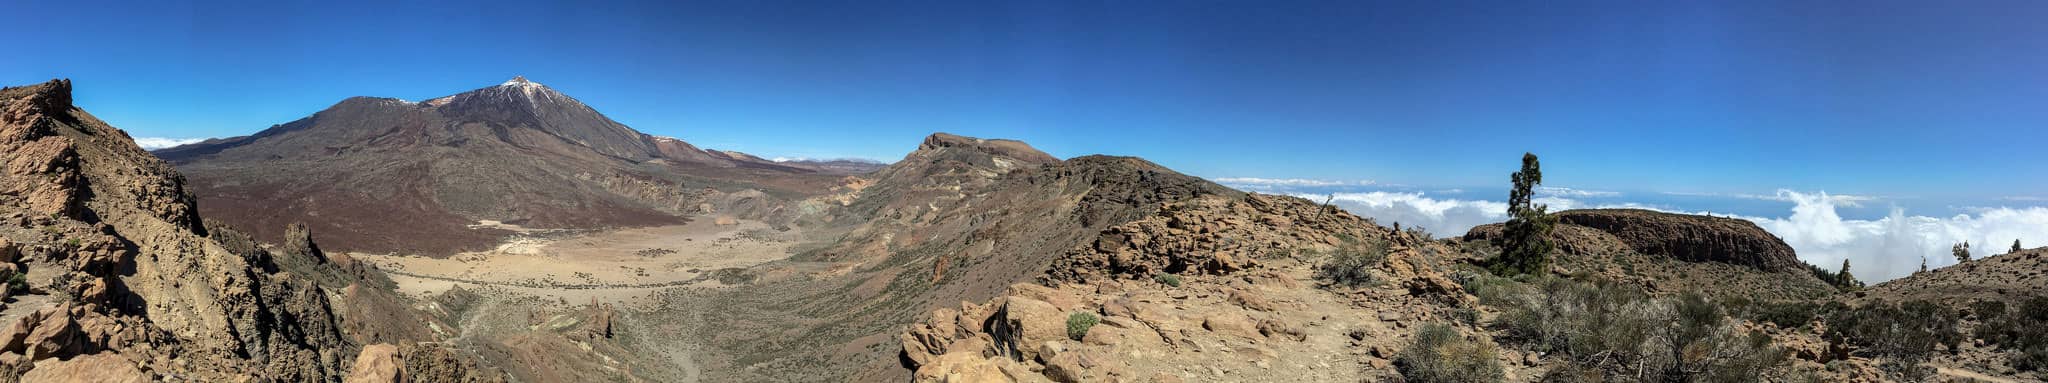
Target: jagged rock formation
[384, 175]
[121, 271]
[1247, 304]
[959, 219]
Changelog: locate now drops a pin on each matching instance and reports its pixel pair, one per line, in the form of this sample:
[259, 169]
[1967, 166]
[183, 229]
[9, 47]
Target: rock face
[384, 175]
[1691, 238]
[133, 271]
[1210, 236]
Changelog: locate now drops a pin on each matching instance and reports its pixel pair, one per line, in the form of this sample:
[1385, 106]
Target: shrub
[1526, 235]
[1987, 310]
[1491, 290]
[1785, 314]
[1611, 332]
[2019, 330]
[1168, 279]
[1079, 323]
[1441, 355]
[17, 282]
[1352, 264]
[1420, 233]
[1907, 333]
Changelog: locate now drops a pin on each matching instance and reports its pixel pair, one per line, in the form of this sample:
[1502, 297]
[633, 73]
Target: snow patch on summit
[519, 81]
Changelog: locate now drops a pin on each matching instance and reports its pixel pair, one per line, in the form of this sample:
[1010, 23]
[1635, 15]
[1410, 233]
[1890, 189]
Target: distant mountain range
[388, 175]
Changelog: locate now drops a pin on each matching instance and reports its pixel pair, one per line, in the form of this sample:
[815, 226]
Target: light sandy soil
[620, 266]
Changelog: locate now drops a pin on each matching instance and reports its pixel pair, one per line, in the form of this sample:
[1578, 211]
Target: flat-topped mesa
[1686, 237]
[1012, 149]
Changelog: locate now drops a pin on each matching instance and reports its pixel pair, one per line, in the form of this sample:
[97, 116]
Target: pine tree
[1923, 265]
[1527, 231]
[1961, 251]
[1847, 281]
[2015, 246]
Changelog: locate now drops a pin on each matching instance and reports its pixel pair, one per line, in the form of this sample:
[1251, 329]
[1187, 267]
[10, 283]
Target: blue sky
[1928, 100]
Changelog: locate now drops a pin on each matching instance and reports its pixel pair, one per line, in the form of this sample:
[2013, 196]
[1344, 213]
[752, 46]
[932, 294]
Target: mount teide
[383, 174]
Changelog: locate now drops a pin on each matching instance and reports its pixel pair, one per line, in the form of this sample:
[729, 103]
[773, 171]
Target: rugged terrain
[388, 175]
[114, 275]
[968, 260]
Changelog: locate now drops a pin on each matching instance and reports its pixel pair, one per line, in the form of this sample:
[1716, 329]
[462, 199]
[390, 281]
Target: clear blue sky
[1916, 98]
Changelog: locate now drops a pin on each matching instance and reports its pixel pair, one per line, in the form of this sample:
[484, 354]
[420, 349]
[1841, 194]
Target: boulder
[1281, 328]
[378, 363]
[1028, 322]
[1230, 324]
[105, 367]
[1251, 300]
[55, 335]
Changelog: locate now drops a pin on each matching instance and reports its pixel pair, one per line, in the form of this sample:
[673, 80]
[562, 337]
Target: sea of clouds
[154, 143]
[1878, 249]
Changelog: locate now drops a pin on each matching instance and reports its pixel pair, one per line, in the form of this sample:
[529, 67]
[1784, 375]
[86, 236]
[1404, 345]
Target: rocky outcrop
[998, 148]
[1686, 237]
[1212, 236]
[134, 272]
[1240, 301]
[378, 363]
[96, 368]
[1693, 238]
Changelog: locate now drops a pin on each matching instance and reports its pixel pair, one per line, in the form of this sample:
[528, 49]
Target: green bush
[1352, 264]
[1079, 323]
[1441, 355]
[17, 282]
[1168, 279]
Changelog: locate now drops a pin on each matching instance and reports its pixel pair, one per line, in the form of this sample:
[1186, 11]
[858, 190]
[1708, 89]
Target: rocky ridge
[1242, 302]
[113, 274]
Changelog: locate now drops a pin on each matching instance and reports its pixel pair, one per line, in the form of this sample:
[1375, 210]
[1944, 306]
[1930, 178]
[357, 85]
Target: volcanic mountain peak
[518, 90]
[519, 81]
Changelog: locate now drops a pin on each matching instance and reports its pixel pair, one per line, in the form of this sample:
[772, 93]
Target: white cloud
[1845, 200]
[1891, 247]
[1878, 250]
[1273, 183]
[1442, 217]
[154, 143]
[1573, 193]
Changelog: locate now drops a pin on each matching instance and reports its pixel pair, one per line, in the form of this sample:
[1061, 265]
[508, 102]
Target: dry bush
[1440, 355]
